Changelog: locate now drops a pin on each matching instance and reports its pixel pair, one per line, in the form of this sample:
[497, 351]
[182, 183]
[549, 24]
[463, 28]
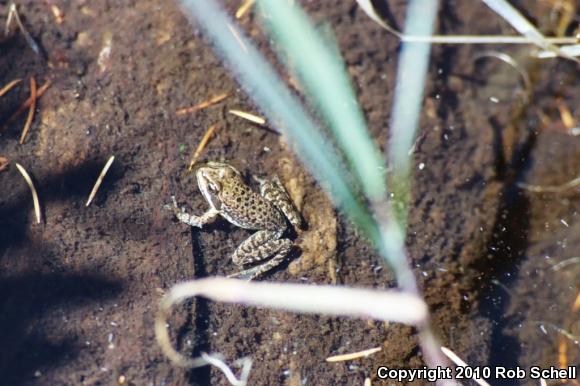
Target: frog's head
[213, 177]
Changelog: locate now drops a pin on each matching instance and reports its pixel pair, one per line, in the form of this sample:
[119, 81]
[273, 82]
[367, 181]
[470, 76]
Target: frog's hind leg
[258, 247]
[276, 193]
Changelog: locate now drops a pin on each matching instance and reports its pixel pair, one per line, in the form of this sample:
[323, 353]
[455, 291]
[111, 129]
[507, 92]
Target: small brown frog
[228, 195]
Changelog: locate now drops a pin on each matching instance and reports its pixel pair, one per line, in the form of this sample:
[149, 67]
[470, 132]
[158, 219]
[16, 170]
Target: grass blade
[329, 88]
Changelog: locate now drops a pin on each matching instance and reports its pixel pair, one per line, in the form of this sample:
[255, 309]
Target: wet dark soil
[78, 292]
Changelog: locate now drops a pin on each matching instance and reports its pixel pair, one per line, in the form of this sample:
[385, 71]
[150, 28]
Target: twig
[564, 263]
[202, 105]
[202, 144]
[9, 86]
[13, 13]
[515, 18]
[28, 102]
[248, 116]
[215, 360]
[35, 200]
[567, 334]
[354, 355]
[570, 50]
[551, 189]
[512, 62]
[244, 8]
[459, 362]
[58, 16]
[563, 353]
[566, 115]
[31, 111]
[4, 162]
[100, 179]
[367, 6]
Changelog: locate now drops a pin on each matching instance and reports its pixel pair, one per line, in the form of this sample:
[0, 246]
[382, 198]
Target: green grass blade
[411, 75]
[321, 70]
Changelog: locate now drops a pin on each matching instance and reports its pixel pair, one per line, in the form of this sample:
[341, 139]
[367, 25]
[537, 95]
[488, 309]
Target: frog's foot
[252, 273]
[190, 219]
[257, 247]
[247, 274]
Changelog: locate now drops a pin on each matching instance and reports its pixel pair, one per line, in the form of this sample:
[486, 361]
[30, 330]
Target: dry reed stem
[100, 179]
[30, 111]
[508, 59]
[35, 200]
[244, 8]
[9, 86]
[13, 13]
[57, 13]
[459, 362]
[354, 355]
[28, 102]
[202, 144]
[368, 8]
[4, 162]
[217, 361]
[566, 115]
[329, 300]
[551, 189]
[562, 353]
[248, 116]
[564, 263]
[202, 105]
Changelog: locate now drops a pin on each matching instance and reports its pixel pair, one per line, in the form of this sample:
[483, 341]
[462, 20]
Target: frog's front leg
[193, 220]
[257, 247]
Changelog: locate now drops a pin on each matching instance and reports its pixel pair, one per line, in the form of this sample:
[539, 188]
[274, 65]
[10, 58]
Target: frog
[267, 212]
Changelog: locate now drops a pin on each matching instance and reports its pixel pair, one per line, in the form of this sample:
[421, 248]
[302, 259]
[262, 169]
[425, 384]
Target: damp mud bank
[497, 261]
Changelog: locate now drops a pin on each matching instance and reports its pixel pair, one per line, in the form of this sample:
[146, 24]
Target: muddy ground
[78, 292]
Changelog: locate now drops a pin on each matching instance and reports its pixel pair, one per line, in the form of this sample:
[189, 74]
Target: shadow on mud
[27, 345]
[200, 318]
[505, 250]
[67, 186]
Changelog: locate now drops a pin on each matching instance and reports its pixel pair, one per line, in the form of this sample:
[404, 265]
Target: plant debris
[202, 144]
[35, 200]
[28, 102]
[31, 111]
[248, 116]
[100, 180]
[354, 355]
[202, 105]
[9, 86]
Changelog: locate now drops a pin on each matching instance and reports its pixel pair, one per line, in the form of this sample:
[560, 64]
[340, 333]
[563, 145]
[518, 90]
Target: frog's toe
[247, 275]
[174, 207]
